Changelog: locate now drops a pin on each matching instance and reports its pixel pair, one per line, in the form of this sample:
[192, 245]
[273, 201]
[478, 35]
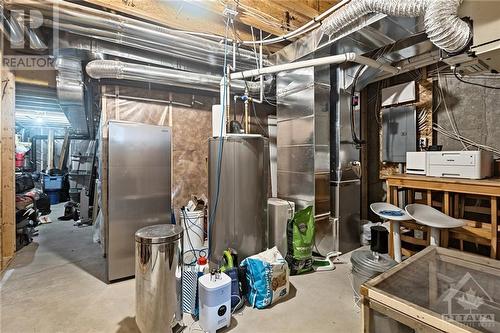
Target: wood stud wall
[8, 198]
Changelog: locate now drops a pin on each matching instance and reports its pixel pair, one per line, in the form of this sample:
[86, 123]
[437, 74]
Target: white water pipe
[311, 25]
[336, 59]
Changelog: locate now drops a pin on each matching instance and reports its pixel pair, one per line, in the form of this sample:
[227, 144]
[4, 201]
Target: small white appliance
[279, 211]
[416, 162]
[460, 164]
[215, 301]
[468, 164]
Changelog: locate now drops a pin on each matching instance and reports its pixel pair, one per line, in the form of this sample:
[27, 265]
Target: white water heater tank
[215, 301]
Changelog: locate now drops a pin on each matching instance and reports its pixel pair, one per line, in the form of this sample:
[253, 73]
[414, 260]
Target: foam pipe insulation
[442, 24]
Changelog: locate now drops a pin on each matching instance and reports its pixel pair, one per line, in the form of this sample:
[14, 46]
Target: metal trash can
[158, 274]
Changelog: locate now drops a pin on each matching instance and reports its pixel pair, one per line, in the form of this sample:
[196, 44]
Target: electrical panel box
[399, 132]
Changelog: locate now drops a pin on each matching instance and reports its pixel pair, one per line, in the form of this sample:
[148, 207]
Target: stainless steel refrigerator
[138, 185]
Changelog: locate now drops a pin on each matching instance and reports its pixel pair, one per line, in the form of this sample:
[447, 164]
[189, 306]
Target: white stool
[379, 207]
[433, 218]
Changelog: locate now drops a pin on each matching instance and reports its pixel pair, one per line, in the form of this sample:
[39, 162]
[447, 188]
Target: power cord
[455, 72]
[357, 141]
[211, 216]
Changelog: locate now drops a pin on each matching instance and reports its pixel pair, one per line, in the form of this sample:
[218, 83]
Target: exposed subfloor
[55, 285]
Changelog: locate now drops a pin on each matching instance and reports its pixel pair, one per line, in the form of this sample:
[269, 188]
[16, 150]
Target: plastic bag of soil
[267, 278]
[300, 239]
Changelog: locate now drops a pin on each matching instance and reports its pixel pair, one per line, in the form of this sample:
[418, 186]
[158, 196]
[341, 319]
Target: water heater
[237, 185]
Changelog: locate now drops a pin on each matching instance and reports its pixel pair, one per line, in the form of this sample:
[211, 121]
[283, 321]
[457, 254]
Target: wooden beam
[1, 219]
[299, 9]
[8, 196]
[494, 227]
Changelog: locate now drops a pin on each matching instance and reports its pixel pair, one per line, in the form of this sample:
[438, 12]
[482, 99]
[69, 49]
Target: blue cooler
[52, 183]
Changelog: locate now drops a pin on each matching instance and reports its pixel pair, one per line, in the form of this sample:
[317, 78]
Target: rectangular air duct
[303, 140]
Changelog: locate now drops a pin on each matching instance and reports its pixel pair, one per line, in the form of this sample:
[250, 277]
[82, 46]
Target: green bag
[300, 239]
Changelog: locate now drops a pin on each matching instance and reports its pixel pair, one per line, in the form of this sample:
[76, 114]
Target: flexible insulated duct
[113, 69]
[442, 23]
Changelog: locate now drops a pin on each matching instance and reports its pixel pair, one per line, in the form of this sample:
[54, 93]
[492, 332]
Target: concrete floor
[55, 285]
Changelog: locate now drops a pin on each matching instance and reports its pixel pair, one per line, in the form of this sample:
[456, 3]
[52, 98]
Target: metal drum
[366, 265]
[158, 272]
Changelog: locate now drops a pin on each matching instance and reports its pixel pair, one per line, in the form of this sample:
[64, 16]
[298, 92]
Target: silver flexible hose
[442, 23]
[114, 69]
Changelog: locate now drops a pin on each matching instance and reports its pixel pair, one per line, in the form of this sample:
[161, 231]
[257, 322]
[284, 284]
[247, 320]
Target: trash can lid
[157, 234]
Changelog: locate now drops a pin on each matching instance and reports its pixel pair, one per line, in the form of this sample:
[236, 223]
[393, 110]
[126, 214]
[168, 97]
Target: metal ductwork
[112, 69]
[70, 93]
[35, 39]
[98, 49]
[442, 24]
[13, 30]
[105, 26]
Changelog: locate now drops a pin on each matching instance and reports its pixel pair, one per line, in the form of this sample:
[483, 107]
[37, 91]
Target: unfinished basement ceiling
[275, 17]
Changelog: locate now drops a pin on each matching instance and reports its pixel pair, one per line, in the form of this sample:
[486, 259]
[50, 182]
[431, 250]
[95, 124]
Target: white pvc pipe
[50, 150]
[261, 96]
[396, 240]
[435, 236]
[336, 59]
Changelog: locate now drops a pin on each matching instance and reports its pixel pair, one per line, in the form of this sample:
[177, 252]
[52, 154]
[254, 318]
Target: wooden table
[486, 234]
[433, 291]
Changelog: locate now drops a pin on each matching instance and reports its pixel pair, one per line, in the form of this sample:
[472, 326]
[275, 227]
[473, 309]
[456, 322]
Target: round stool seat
[432, 217]
[380, 207]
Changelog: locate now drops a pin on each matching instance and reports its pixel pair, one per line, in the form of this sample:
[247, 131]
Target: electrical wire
[221, 142]
[358, 142]
[451, 118]
[455, 73]
[189, 239]
[187, 229]
[469, 142]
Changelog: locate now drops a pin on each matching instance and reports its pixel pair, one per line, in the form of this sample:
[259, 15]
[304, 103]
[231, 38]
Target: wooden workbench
[482, 233]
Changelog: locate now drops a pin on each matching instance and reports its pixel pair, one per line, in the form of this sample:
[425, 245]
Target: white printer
[456, 164]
